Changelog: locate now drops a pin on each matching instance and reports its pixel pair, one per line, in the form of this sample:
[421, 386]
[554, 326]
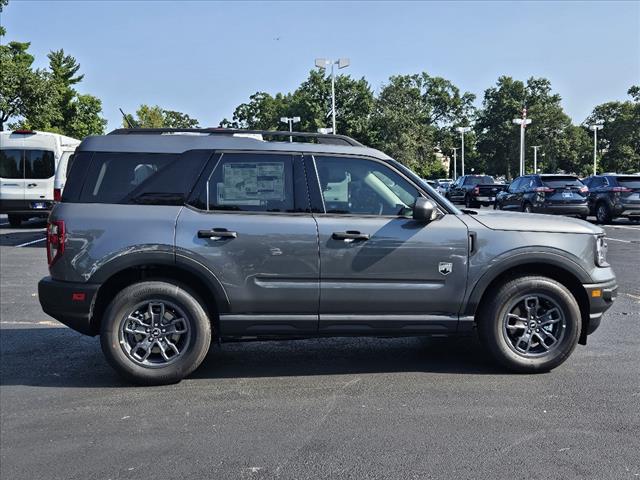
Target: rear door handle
[350, 235]
[216, 234]
[31, 185]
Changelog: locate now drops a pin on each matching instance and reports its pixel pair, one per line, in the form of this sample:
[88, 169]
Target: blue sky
[204, 58]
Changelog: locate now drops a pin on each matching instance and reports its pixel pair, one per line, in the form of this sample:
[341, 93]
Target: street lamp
[523, 122]
[535, 158]
[342, 63]
[290, 121]
[595, 127]
[455, 163]
[462, 131]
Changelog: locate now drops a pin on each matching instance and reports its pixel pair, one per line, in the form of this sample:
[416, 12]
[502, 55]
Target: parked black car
[552, 194]
[612, 195]
[474, 190]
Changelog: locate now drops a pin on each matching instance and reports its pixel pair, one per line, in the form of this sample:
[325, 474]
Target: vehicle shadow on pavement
[58, 357]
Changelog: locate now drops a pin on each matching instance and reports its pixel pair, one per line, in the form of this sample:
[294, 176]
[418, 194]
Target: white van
[28, 164]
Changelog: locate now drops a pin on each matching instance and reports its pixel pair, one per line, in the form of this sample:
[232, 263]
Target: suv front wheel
[155, 333]
[530, 324]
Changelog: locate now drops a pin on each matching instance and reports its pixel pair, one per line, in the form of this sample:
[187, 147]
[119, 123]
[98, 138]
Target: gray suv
[167, 239]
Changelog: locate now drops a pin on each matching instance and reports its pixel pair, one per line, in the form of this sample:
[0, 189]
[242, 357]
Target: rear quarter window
[134, 178]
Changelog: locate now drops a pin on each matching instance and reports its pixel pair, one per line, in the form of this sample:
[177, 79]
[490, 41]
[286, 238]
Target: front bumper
[601, 297]
[70, 303]
[26, 207]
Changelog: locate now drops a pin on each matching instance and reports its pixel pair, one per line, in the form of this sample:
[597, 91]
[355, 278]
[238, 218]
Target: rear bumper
[26, 207]
[580, 210]
[69, 303]
[627, 210]
[601, 297]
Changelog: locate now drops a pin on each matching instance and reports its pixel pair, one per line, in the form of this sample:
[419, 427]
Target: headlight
[601, 251]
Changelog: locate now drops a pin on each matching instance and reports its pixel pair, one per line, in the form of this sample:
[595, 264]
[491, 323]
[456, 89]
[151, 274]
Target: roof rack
[325, 138]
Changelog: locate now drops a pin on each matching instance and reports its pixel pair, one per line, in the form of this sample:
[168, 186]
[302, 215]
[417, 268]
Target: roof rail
[325, 138]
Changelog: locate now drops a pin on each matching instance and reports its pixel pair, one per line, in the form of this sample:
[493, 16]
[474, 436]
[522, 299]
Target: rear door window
[11, 165]
[561, 181]
[39, 164]
[253, 182]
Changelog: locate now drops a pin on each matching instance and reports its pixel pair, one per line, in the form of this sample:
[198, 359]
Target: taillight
[57, 194]
[476, 191]
[621, 189]
[544, 190]
[55, 240]
[584, 189]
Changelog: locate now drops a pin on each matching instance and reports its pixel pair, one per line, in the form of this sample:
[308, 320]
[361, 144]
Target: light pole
[595, 127]
[290, 121]
[462, 131]
[523, 122]
[535, 158]
[455, 164]
[342, 63]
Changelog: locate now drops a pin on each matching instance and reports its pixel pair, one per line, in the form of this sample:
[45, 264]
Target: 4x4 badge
[445, 268]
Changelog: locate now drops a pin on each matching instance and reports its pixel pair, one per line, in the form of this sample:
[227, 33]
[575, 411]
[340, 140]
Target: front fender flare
[538, 256]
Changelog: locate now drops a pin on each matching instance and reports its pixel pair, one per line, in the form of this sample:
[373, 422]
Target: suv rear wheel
[603, 214]
[155, 333]
[530, 324]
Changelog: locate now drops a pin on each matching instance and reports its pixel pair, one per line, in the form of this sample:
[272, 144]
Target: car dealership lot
[344, 408]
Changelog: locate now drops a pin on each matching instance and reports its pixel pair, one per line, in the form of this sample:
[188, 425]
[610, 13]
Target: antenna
[126, 119]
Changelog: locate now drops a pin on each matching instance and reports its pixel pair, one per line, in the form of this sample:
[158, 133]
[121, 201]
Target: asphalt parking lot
[339, 408]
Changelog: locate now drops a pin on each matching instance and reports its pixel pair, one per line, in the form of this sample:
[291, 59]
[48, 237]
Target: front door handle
[350, 235]
[216, 234]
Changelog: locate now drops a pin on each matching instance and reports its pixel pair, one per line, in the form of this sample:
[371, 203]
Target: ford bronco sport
[163, 241]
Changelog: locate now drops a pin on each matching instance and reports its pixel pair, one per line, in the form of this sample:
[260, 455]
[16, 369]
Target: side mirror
[424, 210]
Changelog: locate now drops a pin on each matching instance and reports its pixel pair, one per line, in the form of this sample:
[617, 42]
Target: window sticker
[251, 183]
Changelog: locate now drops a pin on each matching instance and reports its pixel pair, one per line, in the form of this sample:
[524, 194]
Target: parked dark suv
[552, 194]
[612, 196]
[164, 241]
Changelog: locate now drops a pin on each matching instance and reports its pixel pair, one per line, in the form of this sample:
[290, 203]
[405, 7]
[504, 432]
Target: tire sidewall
[492, 328]
[124, 302]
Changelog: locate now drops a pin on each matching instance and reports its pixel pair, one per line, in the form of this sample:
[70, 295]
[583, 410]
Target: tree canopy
[155, 117]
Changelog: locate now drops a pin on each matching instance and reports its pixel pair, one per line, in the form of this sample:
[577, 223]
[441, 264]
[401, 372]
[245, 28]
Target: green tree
[498, 141]
[414, 118]
[311, 101]
[619, 140]
[23, 90]
[155, 117]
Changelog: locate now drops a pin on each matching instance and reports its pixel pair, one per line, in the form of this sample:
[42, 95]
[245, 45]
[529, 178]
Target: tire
[15, 220]
[504, 341]
[603, 213]
[128, 310]
[469, 203]
[527, 208]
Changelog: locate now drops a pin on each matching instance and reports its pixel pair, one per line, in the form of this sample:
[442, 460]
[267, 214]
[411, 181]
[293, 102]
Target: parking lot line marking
[30, 243]
[623, 226]
[619, 240]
